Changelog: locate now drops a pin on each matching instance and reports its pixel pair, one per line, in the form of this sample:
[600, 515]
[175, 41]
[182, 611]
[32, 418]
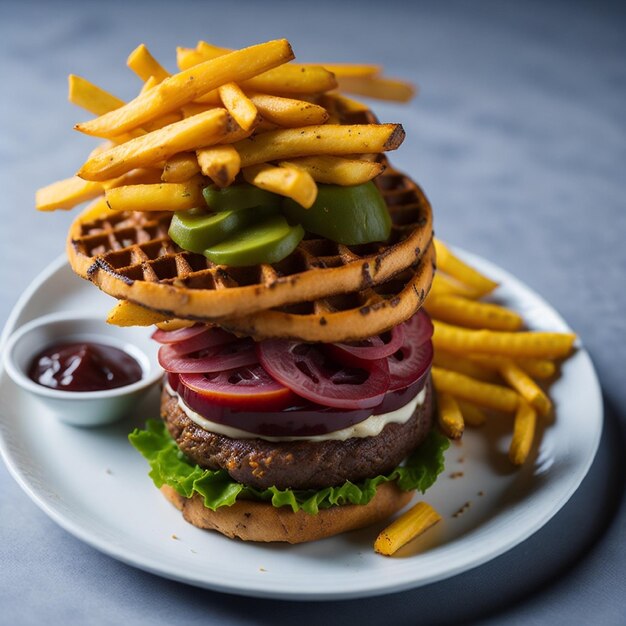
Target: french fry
[156, 197]
[186, 86]
[287, 143]
[462, 364]
[343, 103]
[536, 368]
[180, 167]
[290, 182]
[145, 65]
[289, 112]
[521, 344]
[488, 395]
[523, 433]
[526, 387]
[241, 108]
[88, 96]
[450, 418]
[449, 263]
[408, 526]
[293, 78]
[353, 70]
[456, 310]
[66, 194]
[445, 285]
[140, 176]
[174, 324]
[337, 170]
[220, 163]
[200, 130]
[126, 313]
[149, 84]
[377, 87]
[472, 415]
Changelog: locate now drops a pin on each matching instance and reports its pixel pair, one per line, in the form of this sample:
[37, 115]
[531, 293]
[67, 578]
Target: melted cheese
[369, 427]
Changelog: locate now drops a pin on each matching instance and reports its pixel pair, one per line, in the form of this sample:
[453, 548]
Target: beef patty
[298, 464]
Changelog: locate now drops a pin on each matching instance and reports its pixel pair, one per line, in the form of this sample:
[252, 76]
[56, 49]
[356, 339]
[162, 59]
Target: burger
[297, 401]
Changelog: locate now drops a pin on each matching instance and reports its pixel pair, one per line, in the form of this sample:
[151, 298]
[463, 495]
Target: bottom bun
[259, 521]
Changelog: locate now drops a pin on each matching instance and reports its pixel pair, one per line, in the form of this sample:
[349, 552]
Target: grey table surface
[519, 139]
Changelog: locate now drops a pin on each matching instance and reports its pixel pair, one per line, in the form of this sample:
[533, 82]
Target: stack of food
[245, 206]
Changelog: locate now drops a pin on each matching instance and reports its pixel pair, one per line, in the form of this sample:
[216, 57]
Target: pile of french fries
[484, 360]
[226, 113]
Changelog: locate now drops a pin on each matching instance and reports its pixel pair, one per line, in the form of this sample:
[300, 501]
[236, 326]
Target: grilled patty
[298, 464]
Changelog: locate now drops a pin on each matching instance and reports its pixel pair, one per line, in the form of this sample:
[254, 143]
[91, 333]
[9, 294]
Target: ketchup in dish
[84, 367]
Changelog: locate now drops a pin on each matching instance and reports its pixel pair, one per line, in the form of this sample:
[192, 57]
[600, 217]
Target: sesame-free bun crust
[260, 521]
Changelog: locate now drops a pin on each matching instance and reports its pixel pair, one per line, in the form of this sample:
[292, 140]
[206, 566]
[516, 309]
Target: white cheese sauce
[369, 427]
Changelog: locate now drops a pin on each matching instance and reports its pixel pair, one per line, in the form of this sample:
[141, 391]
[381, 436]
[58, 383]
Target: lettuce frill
[169, 466]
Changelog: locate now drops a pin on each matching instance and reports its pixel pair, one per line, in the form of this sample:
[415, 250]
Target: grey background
[519, 139]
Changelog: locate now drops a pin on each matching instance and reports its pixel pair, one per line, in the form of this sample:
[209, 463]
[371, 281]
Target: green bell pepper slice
[195, 230]
[267, 241]
[349, 215]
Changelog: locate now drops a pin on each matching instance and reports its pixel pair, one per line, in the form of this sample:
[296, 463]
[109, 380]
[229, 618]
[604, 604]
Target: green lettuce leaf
[169, 466]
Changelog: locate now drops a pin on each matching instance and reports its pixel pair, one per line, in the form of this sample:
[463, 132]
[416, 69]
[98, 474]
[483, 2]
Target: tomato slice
[415, 356]
[217, 359]
[248, 388]
[312, 374]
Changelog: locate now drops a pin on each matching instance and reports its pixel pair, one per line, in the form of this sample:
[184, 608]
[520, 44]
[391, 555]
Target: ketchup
[84, 367]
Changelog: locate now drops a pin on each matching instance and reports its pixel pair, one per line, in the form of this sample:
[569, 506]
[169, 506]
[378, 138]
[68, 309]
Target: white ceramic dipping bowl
[82, 408]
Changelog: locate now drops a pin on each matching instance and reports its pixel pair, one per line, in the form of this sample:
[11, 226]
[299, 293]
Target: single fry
[445, 285]
[523, 433]
[174, 324]
[220, 163]
[521, 344]
[408, 526]
[450, 418]
[472, 415]
[200, 130]
[242, 109]
[180, 168]
[377, 87]
[88, 96]
[145, 65]
[457, 310]
[336, 170]
[354, 70]
[290, 182]
[66, 194]
[289, 112]
[184, 87]
[462, 364]
[294, 78]
[461, 386]
[449, 263]
[526, 387]
[140, 176]
[281, 144]
[536, 368]
[126, 313]
[95, 210]
[156, 197]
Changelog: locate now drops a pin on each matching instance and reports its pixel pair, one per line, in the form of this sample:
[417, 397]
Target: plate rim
[263, 589]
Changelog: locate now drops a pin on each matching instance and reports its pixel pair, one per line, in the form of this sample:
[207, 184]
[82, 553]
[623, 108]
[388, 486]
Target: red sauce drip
[84, 367]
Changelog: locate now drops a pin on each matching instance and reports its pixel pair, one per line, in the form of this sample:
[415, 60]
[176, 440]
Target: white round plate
[96, 486]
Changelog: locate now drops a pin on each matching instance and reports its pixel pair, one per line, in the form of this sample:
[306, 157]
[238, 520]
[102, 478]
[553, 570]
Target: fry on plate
[408, 526]
[156, 197]
[450, 418]
[523, 433]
